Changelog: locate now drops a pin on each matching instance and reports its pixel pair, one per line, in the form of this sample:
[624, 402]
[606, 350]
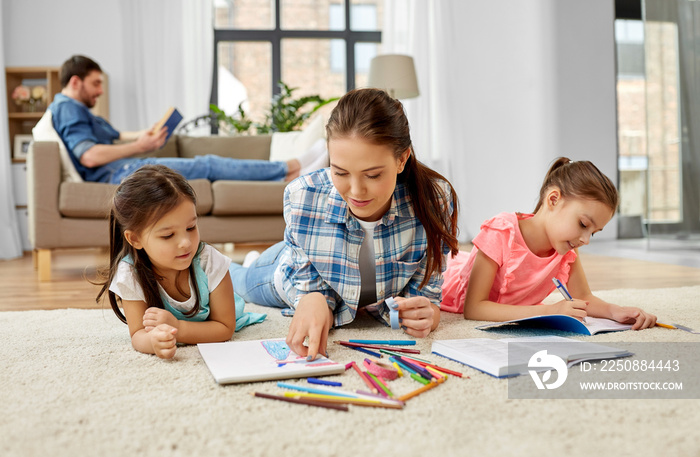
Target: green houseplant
[285, 114]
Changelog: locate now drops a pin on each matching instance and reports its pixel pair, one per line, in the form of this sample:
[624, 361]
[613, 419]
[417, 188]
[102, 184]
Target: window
[318, 46]
[648, 120]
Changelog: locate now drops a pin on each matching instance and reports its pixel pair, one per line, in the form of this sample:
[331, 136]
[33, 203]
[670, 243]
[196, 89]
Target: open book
[170, 120]
[564, 323]
[261, 360]
[511, 356]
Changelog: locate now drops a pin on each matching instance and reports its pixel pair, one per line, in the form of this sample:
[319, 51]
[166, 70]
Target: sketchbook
[260, 360]
[170, 120]
[564, 323]
[493, 357]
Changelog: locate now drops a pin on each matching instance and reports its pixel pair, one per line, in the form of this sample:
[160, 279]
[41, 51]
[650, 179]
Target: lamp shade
[395, 74]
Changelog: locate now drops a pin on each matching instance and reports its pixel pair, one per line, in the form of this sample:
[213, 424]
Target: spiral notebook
[261, 360]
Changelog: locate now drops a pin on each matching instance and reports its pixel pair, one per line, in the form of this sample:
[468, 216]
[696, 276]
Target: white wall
[537, 82]
[47, 32]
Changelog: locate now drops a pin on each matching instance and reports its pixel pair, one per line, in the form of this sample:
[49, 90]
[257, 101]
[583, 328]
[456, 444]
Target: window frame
[275, 36]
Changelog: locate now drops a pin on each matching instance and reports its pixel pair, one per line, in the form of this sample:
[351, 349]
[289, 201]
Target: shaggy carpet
[71, 385]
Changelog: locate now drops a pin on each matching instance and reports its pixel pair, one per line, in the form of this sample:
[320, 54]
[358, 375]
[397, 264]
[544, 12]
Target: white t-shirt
[214, 264]
[368, 265]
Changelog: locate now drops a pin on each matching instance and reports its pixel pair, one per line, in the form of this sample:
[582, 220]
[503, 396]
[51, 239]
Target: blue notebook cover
[564, 323]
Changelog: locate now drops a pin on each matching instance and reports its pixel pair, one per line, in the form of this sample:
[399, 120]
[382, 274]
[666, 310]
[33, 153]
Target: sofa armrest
[43, 181]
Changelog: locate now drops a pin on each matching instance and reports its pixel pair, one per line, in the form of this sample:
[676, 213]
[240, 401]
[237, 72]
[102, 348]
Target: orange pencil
[420, 390]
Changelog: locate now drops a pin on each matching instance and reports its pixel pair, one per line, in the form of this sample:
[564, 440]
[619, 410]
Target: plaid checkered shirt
[323, 242]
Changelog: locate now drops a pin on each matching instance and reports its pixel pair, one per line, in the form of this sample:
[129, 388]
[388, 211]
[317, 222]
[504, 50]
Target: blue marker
[323, 382]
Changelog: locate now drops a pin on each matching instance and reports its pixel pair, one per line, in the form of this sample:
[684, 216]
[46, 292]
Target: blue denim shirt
[80, 130]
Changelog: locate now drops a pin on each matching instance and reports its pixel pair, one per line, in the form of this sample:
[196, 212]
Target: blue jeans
[256, 284]
[211, 167]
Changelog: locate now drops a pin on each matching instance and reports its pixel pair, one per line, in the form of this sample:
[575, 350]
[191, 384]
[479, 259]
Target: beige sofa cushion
[238, 147]
[93, 200]
[247, 197]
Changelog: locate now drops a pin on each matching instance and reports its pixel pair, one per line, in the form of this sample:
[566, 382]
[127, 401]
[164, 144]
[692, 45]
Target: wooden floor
[69, 288]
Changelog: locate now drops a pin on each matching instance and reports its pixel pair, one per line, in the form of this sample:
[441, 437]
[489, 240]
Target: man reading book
[90, 140]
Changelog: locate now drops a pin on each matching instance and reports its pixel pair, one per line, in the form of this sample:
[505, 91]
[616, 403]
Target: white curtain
[168, 49]
[10, 240]
[411, 27]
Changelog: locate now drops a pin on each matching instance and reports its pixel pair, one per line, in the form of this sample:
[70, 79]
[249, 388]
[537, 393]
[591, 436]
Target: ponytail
[436, 211]
[580, 179]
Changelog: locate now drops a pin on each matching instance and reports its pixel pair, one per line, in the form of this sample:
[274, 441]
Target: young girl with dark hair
[376, 224]
[516, 255]
[173, 288]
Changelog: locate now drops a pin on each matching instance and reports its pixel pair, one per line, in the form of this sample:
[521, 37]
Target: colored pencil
[659, 324]
[398, 354]
[323, 382]
[398, 369]
[444, 370]
[405, 367]
[389, 342]
[375, 346]
[381, 385]
[376, 385]
[303, 401]
[436, 374]
[317, 390]
[419, 369]
[420, 378]
[365, 379]
[386, 403]
[419, 391]
[366, 351]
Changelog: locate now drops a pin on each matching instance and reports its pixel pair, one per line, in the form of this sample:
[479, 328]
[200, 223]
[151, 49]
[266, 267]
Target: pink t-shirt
[522, 277]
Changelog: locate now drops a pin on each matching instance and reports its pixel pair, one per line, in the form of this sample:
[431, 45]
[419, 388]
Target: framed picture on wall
[21, 146]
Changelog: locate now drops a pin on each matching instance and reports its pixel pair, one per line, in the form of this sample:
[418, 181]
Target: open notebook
[511, 356]
[260, 360]
[564, 323]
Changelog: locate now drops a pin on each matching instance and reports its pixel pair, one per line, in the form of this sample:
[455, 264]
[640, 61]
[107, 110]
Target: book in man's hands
[261, 360]
[170, 120]
[564, 323]
[511, 356]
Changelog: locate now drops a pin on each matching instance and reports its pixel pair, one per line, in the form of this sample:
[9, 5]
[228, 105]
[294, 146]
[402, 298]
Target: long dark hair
[141, 200]
[580, 179]
[371, 114]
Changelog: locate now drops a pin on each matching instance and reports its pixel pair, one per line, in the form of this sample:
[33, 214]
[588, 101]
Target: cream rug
[71, 385]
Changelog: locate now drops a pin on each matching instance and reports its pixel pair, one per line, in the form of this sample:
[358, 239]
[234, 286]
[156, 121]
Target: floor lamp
[394, 73]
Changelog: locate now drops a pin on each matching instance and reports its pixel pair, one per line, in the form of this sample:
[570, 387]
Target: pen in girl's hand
[565, 293]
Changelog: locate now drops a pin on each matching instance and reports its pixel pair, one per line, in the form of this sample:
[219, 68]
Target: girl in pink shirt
[515, 255]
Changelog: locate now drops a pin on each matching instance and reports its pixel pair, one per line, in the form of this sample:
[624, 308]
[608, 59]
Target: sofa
[71, 213]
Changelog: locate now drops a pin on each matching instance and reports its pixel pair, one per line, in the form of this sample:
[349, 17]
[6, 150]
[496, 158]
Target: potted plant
[285, 114]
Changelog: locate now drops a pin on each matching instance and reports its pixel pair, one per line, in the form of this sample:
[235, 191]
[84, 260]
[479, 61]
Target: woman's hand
[153, 317]
[313, 319]
[417, 316]
[575, 308]
[632, 315]
[164, 341]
